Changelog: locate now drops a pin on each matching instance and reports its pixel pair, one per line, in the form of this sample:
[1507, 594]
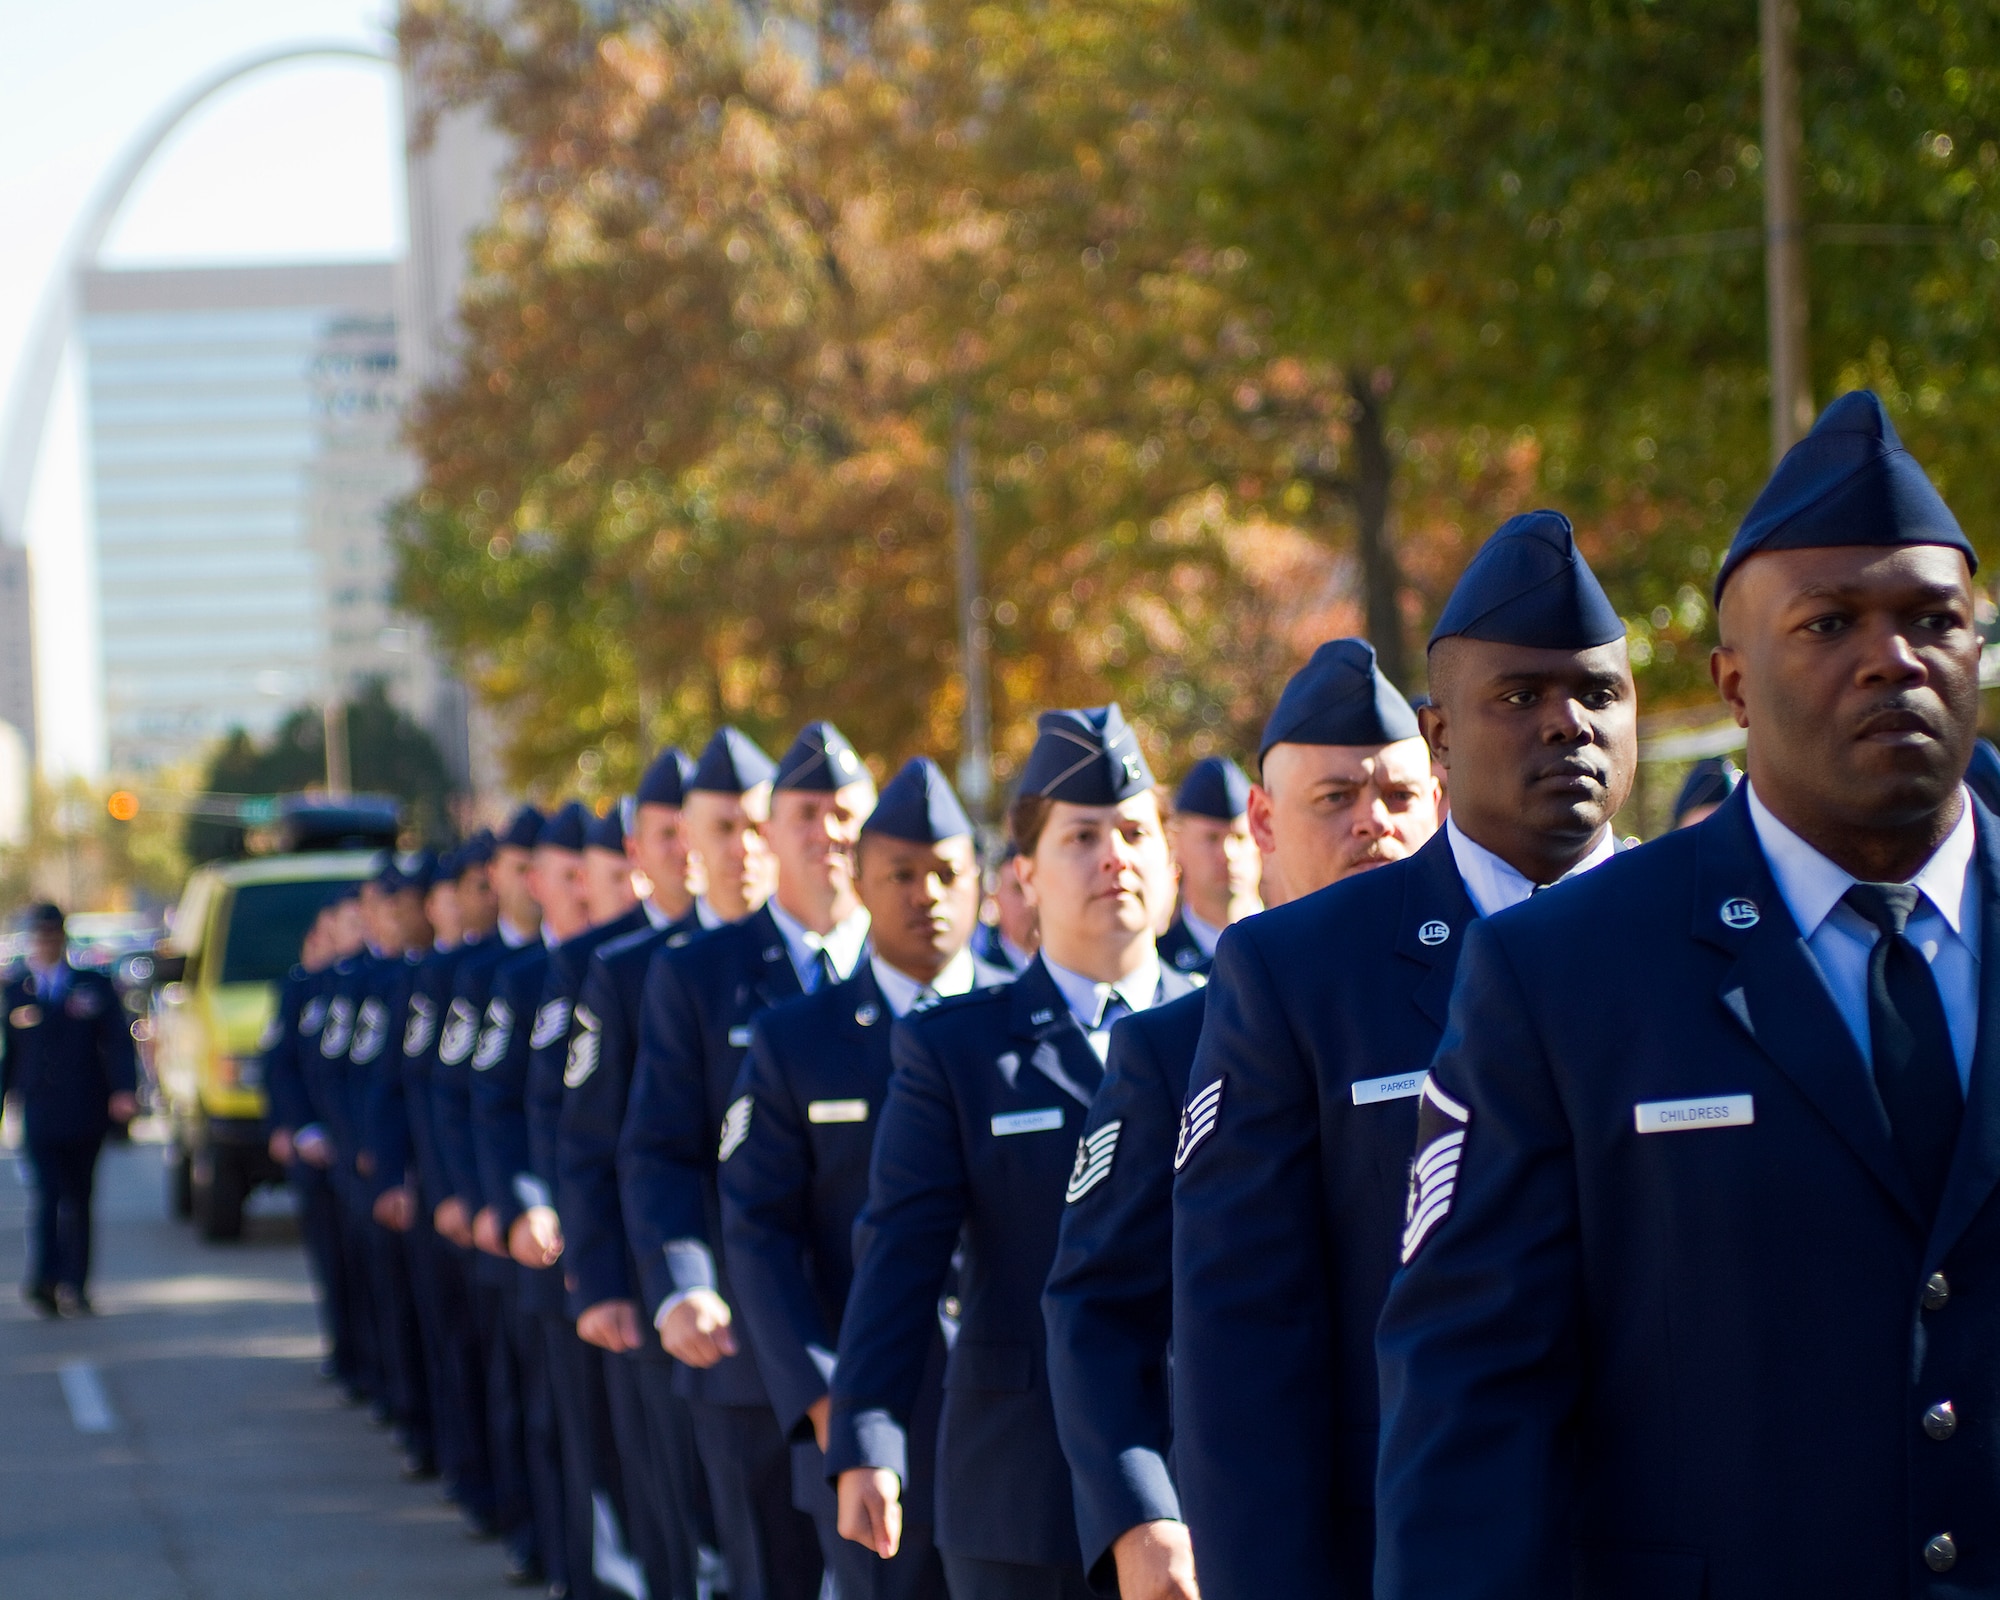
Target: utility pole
[975, 638]
[339, 773]
[1784, 228]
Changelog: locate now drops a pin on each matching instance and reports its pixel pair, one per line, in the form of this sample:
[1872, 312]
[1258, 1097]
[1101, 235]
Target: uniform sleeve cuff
[870, 1438]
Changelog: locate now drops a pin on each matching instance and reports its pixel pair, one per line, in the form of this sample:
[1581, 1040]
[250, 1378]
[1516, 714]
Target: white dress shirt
[1205, 934]
[512, 937]
[706, 914]
[1945, 926]
[900, 991]
[843, 945]
[1494, 885]
[1088, 999]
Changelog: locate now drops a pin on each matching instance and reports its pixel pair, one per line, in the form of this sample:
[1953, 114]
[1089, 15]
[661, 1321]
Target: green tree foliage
[388, 753]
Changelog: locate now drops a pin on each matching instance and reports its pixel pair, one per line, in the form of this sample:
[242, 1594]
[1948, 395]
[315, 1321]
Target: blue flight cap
[476, 851]
[608, 831]
[668, 779]
[918, 805]
[1214, 787]
[1709, 782]
[1339, 697]
[1089, 757]
[820, 761]
[447, 868]
[565, 830]
[524, 830]
[1848, 482]
[1528, 585]
[731, 763]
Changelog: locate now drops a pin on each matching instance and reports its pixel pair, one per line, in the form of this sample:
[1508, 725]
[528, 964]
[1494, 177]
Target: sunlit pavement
[181, 1444]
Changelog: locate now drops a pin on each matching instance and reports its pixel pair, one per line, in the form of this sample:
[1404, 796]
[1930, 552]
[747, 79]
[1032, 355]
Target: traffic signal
[123, 805]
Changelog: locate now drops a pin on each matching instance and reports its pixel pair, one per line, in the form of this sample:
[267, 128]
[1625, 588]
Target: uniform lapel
[1436, 913]
[1976, 1167]
[1774, 992]
[867, 1019]
[777, 979]
[1050, 1040]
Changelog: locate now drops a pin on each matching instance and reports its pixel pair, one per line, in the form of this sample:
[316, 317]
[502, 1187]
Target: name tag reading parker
[837, 1111]
[1046, 1120]
[1404, 1086]
[1678, 1116]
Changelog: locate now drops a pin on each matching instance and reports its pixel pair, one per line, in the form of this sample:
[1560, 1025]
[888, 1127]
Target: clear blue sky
[299, 162]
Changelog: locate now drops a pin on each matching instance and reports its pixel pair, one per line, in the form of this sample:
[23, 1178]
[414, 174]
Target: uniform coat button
[1941, 1420]
[1941, 1553]
[1937, 1292]
[951, 1305]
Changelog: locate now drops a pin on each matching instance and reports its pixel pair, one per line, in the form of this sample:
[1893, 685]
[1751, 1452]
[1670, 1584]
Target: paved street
[181, 1446]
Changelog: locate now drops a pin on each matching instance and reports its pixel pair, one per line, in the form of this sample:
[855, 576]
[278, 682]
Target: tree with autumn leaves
[1251, 316]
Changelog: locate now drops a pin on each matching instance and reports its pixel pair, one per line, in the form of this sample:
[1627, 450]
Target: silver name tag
[739, 1038]
[1404, 1086]
[837, 1111]
[1043, 1121]
[1676, 1116]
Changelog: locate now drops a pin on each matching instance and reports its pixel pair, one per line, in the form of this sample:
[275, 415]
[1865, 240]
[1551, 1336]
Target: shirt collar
[512, 937]
[706, 914]
[842, 944]
[1204, 934]
[1087, 998]
[1812, 885]
[902, 991]
[656, 919]
[1494, 885]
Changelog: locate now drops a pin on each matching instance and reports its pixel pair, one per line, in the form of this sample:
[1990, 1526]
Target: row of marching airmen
[1497, 1211]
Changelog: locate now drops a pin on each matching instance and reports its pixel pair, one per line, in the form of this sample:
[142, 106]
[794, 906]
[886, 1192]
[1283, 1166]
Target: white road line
[89, 1406]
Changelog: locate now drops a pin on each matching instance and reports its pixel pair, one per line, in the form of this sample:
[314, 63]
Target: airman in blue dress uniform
[70, 1065]
[808, 1101]
[975, 1148]
[1209, 833]
[1303, 1104]
[699, 1006]
[1698, 1283]
[1346, 786]
[705, 824]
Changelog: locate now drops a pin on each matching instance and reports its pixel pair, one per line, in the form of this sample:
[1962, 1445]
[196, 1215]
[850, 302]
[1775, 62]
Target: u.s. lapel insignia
[1739, 914]
[1434, 932]
[867, 1014]
[1041, 1018]
[1186, 958]
[1198, 1119]
[1094, 1152]
[1441, 1126]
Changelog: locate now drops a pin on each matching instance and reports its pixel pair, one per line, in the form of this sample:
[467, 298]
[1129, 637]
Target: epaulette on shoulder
[623, 944]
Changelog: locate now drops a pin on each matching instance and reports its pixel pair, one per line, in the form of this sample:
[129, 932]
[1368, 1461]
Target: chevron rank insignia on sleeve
[1198, 1121]
[1441, 1125]
[550, 1023]
[1093, 1160]
[735, 1127]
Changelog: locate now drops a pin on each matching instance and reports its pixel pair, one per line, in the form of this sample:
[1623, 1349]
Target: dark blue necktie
[1916, 1071]
[824, 977]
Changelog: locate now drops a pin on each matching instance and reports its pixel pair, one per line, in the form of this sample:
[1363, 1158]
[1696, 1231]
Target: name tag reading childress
[837, 1111]
[1404, 1086]
[1678, 1116]
[1046, 1120]
[739, 1038]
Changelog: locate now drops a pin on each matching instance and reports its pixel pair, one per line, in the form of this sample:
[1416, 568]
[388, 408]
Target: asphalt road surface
[181, 1445]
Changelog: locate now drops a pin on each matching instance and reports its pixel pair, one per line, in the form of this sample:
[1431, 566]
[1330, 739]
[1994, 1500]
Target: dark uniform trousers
[1679, 1326]
[699, 1002]
[295, 1031]
[668, 1516]
[1109, 1299]
[319, 1226]
[977, 1143]
[64, 1171]
[1288, 1211]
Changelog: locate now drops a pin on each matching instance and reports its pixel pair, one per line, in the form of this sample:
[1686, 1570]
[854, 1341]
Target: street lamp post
[975, 638]
[1784, 228]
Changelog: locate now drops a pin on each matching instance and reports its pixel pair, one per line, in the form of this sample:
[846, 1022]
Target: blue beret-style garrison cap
[1529, 585]
[820, 761]
[918, 805]
[608, 831]
[1089, 757]
[1848, 482]
[1214, 787]
[668, 779]
[731, 763]
[565, 830]
[1340, 697]
[1709, 782]
[475, 852]
[524, 831]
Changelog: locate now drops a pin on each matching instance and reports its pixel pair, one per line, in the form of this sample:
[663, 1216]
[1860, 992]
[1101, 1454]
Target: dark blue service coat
[1694, 1361]
[294, 1027]
[67, 1053]
[597, 1086]
[976, 1146]
[451, 1071]
[695, 1027]
[1322, 1017]
[416, 1140]
[1109, 1299]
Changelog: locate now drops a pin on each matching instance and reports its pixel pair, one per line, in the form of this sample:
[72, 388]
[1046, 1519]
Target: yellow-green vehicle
[236, 934]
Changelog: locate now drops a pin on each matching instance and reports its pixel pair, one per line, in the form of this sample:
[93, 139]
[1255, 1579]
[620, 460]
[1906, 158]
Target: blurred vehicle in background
[235, 934]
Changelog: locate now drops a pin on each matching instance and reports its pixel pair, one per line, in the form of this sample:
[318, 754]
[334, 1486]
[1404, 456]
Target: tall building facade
[17, 652]
[242, 427]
